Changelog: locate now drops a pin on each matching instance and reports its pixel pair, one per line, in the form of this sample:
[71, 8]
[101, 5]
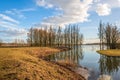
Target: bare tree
[115, 37]
[0, 42]
[59, 36]
[101, 35]
[112, 35]
[49, 36]
[109, 35]
[30, 37]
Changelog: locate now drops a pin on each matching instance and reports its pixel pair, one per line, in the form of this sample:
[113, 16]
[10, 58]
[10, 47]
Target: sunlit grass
[111, 52]
[25, 64]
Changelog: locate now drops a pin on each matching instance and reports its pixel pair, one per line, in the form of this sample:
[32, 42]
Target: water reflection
[74, 55]
[109, 65]
[85, 55]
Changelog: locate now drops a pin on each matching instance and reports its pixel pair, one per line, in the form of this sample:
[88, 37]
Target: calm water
[87, 56]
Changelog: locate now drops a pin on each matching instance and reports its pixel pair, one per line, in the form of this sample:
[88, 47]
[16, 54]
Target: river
[87, 56]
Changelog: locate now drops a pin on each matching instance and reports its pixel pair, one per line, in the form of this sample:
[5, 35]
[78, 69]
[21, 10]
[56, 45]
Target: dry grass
[112, 52]
[24, 64]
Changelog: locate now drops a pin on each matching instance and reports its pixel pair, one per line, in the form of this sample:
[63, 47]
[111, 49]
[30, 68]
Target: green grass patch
[112, 52]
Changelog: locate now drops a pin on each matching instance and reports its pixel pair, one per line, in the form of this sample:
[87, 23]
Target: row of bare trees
[109, 35]
[55, 36]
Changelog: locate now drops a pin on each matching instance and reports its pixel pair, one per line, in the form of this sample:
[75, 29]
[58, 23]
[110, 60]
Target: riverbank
[28, 64]
[111, 52]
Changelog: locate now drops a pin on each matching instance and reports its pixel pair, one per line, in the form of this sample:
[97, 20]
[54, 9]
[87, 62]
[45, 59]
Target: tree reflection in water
[74, 55]
[109, 65]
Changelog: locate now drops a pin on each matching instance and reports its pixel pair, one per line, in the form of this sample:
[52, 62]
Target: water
[87, 56]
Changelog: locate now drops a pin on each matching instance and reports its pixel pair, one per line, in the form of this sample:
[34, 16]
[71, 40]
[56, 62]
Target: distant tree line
[109, 35]
[19, 42]
[55, 36]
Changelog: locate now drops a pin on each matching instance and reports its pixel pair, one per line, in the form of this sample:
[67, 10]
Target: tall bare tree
[49, 36]
[30, 37]
[112, 35]
[101, 35]
[0, 42]
[109, 35]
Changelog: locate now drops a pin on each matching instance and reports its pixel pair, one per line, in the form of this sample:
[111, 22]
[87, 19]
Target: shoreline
[82, 71]
[26, 62]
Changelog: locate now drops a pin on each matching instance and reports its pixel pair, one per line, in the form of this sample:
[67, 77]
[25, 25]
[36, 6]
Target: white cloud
[95, 1]
[7, 18]
[10, 26]
[9, 12]
[112, 3]
[103, 9]
[27, 10]
[73, 10]
[7, 25]
[40, 2]
[14, 32]
[19, 13]
[43, 3]
[15, 13]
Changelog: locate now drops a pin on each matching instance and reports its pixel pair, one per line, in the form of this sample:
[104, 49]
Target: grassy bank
[110, 52]
[28, 64]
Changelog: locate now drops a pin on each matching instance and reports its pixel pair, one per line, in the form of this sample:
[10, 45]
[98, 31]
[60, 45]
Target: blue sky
[17, 16]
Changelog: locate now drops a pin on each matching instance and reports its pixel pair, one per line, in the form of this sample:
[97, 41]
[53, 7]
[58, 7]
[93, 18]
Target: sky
[18, 16]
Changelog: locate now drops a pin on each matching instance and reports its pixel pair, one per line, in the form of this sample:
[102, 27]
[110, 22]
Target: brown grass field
[27, 64]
